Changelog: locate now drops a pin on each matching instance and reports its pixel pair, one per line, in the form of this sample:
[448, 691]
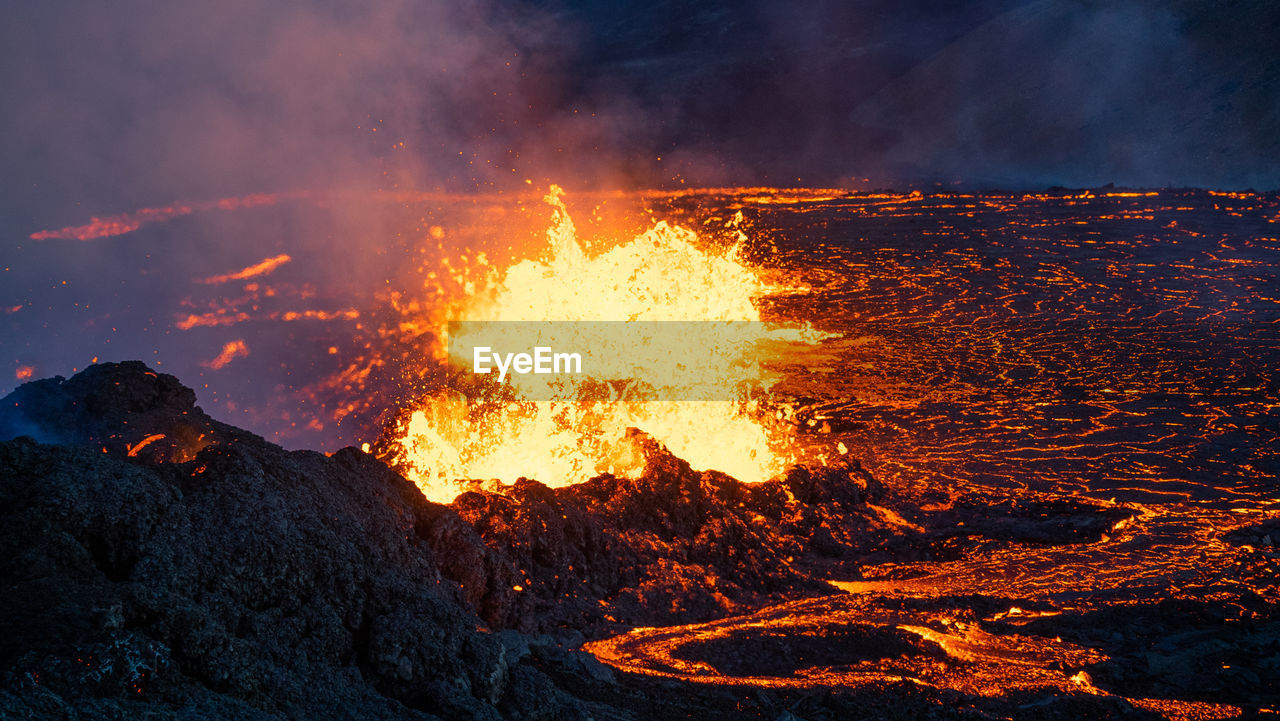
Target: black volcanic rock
[122, 408]
[248, 582]
[549, 560]
[672, 545]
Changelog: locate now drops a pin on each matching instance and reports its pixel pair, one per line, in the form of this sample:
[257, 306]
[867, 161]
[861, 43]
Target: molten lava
[1005, 357]
[231, 351]
[265, 267]
[663, 274]
[129, 222]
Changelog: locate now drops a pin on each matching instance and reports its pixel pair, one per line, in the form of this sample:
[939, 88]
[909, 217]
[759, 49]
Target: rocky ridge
[154, 559]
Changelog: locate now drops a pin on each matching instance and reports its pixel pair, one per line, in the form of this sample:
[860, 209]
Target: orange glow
[665, 273]
[231, 351]
[263, 267]
[950, 650]
[129, 222]
[24, 372]
[125, 223]
[211, 319]
[225, 317]
[1000, 314]
[133, 451]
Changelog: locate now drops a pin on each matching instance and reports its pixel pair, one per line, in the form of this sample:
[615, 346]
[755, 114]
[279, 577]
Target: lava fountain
[448, 442]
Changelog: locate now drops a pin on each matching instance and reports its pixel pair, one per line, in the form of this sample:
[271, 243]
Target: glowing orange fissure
[129, 222]
[663, 274]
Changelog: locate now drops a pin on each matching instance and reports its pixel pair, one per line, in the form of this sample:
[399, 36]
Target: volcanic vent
[680, 292]
[1069, 509]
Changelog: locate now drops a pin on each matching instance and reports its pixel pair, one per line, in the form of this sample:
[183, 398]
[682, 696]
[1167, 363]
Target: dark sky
[113, 106]
[1010, 93]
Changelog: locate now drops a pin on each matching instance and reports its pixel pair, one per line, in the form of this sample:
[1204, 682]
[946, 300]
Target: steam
[248, 130]
[1083, 94]
[123, 106]
[244, 130]
[145, 103]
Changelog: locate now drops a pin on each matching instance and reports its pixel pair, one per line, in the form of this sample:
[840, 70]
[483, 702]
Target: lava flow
[1016, 620]
[1068, 398]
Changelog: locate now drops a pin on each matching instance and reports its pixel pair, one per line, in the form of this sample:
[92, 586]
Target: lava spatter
[663, 274]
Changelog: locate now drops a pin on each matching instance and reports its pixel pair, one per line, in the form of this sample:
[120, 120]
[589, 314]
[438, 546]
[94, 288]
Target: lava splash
[662, 274]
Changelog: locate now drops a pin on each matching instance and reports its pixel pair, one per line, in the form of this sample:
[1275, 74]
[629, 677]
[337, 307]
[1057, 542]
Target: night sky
[110, 107]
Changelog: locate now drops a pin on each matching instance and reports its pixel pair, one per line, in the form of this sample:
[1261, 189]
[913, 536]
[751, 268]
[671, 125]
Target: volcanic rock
[222, 577]
[124, 409]
[673, 545]
[155, 561]
[247, 582]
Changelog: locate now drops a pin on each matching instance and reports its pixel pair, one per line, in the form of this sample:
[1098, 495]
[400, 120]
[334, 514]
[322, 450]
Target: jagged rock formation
[248, 582]
[672, 545]
[115, 408]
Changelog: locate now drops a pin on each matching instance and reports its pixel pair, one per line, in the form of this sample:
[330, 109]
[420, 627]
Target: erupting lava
[1066, 401]
[661, 275]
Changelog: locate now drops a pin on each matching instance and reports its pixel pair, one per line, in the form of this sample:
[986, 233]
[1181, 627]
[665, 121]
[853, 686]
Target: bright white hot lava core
[664, 274]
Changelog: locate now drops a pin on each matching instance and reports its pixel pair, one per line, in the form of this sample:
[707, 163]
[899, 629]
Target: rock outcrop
[674, 545]
[155, 560]
[155, 563]
[123, 409]
[238, 580]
